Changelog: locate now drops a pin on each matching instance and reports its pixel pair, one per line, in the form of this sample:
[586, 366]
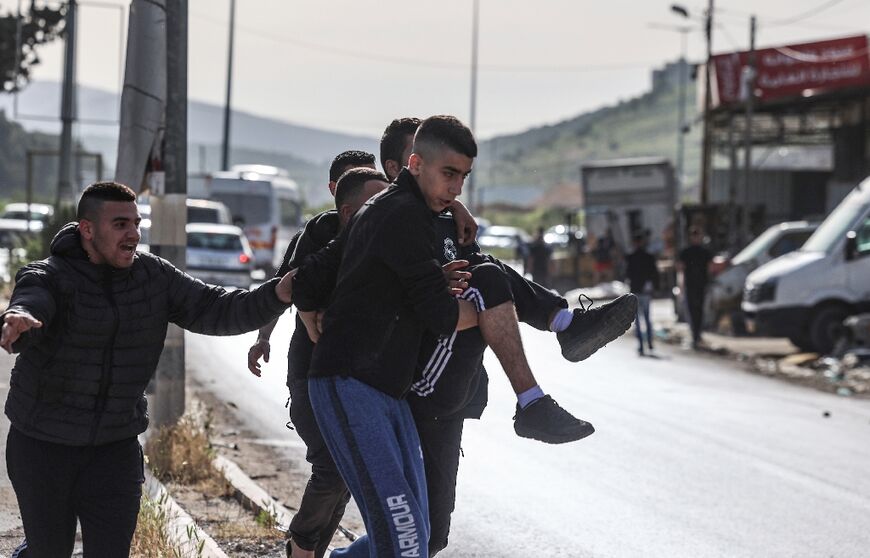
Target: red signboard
[794, 70]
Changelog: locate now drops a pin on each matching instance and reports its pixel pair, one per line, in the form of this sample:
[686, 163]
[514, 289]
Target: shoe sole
[551, 439]
[617, 323]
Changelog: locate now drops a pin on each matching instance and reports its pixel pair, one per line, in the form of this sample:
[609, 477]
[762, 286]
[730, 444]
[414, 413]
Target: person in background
[693, 263]
[643, 278]
[540, 254]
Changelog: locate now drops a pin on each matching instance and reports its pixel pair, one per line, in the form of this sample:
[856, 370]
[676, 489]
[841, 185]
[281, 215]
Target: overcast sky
[353, 65]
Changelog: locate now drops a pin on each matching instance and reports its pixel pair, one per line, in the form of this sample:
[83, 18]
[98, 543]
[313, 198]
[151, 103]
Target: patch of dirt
[281, 471]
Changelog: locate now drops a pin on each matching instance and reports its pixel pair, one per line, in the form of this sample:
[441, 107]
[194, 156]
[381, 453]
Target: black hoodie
[389, 289]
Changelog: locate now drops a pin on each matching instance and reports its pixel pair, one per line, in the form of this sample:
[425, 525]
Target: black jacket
[641, 269]
[390, 288]
[80, 379]
[317, 233]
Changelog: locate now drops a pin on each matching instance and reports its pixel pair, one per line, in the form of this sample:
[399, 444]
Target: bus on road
[265, 203]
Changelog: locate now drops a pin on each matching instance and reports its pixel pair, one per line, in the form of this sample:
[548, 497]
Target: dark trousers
[535, 303]
[100, 486]
[695, 302]
[441, 441]
[326, 494]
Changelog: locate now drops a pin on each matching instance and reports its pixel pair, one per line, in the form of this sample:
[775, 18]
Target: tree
[40, 25]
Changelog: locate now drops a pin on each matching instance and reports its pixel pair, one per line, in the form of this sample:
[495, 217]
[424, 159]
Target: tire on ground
[825, 325]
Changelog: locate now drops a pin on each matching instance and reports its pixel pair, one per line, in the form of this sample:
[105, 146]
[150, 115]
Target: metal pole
[747, 137]
[67, 108]
[708, 101]
[473, 119]
[681, 114]
[225, 153]
[169, 211]
[29, 192]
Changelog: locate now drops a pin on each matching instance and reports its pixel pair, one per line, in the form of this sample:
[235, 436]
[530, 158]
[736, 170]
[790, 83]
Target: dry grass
[246, 530]
[150, 540]
[182, 454]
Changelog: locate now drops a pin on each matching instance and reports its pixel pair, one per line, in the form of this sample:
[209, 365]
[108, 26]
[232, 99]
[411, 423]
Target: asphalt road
[692, 457]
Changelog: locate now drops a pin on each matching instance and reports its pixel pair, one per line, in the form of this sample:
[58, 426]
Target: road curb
[254, 498]
[181, 529]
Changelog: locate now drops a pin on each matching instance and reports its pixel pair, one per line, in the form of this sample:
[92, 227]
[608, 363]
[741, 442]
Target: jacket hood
[68, 242]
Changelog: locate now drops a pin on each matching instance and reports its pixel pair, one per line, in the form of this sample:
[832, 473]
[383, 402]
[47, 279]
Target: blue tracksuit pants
[374, 442]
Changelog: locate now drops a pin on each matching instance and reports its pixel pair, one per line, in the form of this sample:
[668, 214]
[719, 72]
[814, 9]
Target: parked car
[216, 253]
[726, 288]
[198, 211]
[806, 295]
[40, 212]
[219, 254]
[560, 236]
[508, 243]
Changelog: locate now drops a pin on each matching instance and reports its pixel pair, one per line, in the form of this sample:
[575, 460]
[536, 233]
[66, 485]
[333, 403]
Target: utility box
[628, 196]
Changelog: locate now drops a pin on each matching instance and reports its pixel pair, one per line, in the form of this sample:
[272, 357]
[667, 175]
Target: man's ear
[345, 213]
[332, 184]
[414, 163]
[86, 229]
[391, 167]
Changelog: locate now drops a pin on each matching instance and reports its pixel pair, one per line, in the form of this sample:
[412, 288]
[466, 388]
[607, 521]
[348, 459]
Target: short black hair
[393, 140]
[351, 182]
[349, 159]
[437, 132]
[99, 192]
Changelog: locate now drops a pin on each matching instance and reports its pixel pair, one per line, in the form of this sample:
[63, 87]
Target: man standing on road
[389, 290]
[694, 262]
[90, 322]
[453, 383]
[643, 278]
[325, 496]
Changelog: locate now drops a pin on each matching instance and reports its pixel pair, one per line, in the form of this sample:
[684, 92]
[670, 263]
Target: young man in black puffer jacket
[89, 323]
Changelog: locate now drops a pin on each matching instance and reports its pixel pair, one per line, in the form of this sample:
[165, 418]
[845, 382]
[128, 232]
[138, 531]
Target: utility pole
[169, 211]
[473, 119]
[225, 153]
[681, 112]
[747, 133]
[708, 101]
[67, 108]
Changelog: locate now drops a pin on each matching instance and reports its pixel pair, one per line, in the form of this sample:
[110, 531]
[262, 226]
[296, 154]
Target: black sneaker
[592, 328]
[544, 420]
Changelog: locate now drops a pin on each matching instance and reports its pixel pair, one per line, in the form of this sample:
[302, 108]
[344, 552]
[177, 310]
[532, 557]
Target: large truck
[629, 196]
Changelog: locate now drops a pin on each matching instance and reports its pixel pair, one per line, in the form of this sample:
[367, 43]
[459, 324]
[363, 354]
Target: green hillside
[551, 155]
[14, 144]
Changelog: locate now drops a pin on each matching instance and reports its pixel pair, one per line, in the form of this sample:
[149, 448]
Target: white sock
[561, 320]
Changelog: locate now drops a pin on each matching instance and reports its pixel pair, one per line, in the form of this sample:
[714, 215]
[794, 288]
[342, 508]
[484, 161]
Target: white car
[40, 212]
[216, 254]
[806, 295]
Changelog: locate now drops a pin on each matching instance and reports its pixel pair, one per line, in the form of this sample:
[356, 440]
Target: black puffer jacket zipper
[108, 356]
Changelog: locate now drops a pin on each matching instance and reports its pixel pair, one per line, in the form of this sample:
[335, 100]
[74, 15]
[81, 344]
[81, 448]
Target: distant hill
[304, 151]
[549, 157]
[536, 167]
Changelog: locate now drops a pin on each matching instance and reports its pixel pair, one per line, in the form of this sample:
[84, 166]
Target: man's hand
[466, 226]
[257, 350]
[312, 320]
[14, 324]
[457, 280]
[284, 288]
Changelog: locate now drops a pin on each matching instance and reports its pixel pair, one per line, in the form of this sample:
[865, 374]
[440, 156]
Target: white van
[265, 203]
[806, 295]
